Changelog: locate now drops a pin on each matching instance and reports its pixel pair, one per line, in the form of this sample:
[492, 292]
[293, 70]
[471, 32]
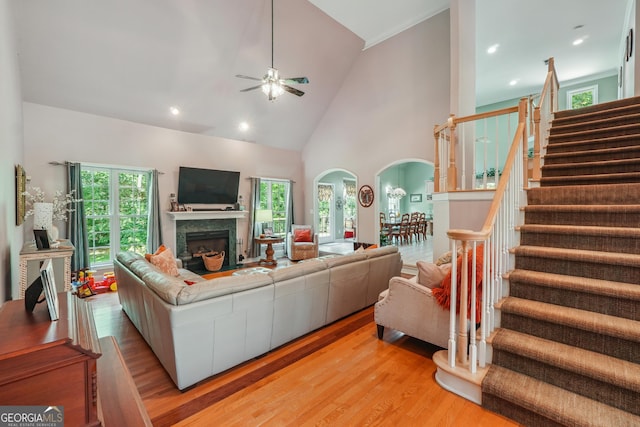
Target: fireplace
[201, 243]
[206, 235]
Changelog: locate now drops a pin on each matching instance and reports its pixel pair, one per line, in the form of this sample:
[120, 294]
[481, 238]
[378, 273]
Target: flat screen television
[207, 186]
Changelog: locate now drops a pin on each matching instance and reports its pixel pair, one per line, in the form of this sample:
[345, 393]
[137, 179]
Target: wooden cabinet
[49, 363]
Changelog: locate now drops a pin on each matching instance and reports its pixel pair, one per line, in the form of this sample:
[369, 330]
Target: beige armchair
[411, 308]
[302, 243]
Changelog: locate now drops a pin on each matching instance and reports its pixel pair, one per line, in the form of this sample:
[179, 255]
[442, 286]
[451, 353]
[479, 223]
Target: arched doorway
[406, 186]
[335, 206]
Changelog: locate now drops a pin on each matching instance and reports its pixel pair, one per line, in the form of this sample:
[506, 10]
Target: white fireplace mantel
[185, 215]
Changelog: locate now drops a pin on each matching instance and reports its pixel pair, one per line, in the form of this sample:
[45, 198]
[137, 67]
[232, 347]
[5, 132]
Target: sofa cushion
[376, 252]
[296, 270]
[219, 286]
[167, 287]
[126, 258]
[431, 275]
[344, 259]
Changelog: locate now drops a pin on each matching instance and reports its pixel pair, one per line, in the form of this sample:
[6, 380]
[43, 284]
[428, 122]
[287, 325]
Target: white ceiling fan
[272, 85]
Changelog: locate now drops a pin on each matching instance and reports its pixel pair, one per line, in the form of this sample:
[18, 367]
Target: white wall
[54, 134]
[384, 112]
[12, 154]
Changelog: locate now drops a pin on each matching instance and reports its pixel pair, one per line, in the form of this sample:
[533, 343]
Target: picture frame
[415, 198]
[268, 231]
[42, 239]
[21, 183]
[365, 196]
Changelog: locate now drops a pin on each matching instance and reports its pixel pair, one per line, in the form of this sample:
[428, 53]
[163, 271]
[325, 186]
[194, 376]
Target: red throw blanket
[443, 293]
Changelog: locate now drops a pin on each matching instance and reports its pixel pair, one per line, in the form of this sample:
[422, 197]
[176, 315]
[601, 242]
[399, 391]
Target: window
[273, 195]
[116, 208]
[582, 97]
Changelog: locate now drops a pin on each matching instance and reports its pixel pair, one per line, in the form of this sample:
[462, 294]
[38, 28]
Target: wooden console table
[30, 256]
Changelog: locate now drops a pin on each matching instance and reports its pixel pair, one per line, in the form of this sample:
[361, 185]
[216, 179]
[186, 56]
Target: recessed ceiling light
[493, 48]
[243, 126]
[576, 42]
[513, 82]
[174, 110]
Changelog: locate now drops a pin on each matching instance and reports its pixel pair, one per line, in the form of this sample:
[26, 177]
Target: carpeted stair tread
[580, 255]
[588, 237]
[628, 177]
[593, 155]
[587, 363]
[613, 108]
[601, 194]
[629, 116]
[554, 403]
[577, 284]
[598, 323]
[589, 230]
[557, 145]
[577, 135]
[592, 164]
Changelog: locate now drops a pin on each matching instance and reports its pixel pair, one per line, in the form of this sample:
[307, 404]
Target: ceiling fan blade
[250, 88]
[293, 90]
[248, 77]
[296, 80]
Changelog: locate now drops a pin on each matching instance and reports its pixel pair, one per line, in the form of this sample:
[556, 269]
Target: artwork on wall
[415, 198]
[365, 196]
[21, 183]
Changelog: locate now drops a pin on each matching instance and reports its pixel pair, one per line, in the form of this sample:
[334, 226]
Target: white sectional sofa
[199, 330]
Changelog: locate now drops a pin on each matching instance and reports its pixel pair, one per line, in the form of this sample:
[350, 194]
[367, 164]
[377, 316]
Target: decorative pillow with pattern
[166, 262]
[157, 252]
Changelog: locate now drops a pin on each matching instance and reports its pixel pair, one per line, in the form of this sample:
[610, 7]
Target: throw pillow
[302, 235]
[443, 293]
[374, 246]
[166, 262]
[431, 275]
[157, 252]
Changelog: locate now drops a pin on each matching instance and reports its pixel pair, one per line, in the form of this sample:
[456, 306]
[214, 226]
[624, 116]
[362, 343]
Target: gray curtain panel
[254, 203]
[77, 223]
[289, 214]
[154, 226]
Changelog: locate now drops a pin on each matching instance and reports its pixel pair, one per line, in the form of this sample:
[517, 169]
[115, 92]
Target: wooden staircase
[568, 349]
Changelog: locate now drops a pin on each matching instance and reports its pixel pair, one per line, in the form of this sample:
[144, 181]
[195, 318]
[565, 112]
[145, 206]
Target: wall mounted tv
[207, 186]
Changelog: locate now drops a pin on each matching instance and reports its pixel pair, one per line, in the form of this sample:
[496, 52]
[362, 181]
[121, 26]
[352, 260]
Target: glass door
[326, 213]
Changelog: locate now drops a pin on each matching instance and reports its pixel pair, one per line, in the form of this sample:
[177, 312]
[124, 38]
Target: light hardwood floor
[340, 375]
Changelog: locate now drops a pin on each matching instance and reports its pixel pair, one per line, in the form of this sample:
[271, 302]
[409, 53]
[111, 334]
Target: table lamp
[264, 216]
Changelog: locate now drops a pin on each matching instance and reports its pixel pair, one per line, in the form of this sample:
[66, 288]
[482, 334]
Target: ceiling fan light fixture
[272, 85]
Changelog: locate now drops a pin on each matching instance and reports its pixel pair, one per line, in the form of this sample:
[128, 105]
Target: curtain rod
[272, 179]
[66, 163]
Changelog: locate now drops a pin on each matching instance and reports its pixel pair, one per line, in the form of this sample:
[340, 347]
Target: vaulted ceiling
[134, 59]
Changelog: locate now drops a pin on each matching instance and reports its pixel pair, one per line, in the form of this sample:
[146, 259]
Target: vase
[54, 233]
[42, 216]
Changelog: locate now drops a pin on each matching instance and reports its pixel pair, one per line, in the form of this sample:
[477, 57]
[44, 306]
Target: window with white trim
[582, 97]
[116, 209]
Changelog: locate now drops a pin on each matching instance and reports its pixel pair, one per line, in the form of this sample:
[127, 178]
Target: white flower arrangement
[62, 203]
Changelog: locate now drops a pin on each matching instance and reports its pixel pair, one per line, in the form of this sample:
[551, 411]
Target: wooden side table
[269, 241]
[31, 253]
